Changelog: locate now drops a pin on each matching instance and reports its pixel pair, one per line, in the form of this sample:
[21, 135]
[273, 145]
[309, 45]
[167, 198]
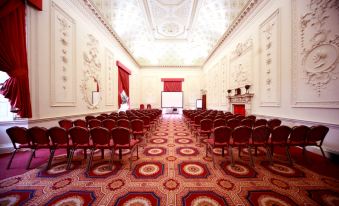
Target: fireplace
[241, 104]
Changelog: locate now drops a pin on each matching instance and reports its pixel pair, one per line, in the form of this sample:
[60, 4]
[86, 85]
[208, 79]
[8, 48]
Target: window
[5, 107]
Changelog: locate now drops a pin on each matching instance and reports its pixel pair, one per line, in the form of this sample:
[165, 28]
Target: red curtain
[172, 86]
[123, 81]
[13, 56]
[239, 109]
[204, 101]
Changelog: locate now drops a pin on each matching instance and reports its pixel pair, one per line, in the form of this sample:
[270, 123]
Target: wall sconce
[229, 92]
[247, 87]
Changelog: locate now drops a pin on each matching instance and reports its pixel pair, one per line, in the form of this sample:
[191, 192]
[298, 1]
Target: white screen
[199, 103]
[171, 99]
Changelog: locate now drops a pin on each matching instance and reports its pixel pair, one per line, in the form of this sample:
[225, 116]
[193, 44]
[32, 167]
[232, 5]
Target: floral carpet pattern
[172, 169]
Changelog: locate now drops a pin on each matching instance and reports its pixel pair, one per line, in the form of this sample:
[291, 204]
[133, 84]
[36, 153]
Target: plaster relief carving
[109, 68]
[241, 65]
[63, 81]
[320, 58]
[315, 53]
[91, 86]
[270, 61]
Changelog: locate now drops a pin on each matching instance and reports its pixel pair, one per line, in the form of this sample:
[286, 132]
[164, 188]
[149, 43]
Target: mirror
[91, 91]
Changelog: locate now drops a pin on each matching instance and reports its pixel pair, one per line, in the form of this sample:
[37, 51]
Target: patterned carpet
[171, 170]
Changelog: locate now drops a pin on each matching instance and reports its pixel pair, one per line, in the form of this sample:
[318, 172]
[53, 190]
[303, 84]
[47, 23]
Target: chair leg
[231, 154]
[256, 150]
[304, 150]
[10, 160]
[85, 153]
[288, 155]
[269, 154]
[239, 151]
[30, 159]
[322, 151]
[137, 151]
[89, 163]
[251, 158]
[111, 161]
[207, 149]
[50, 159]
[69, 161]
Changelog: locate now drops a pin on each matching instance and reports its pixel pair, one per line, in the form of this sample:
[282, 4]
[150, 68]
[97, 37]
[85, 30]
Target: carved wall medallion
[269, 39]
[91, 86]
[316, 53]
[63, 78]
[241, 65]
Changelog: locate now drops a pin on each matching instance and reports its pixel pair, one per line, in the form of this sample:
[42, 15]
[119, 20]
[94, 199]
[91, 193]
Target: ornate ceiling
[170, 32]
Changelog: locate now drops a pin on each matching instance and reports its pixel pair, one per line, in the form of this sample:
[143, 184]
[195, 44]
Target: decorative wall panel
[241, 65]
[269, 34]
[315, 53]
[223, 65]
[109, 78]
[63, 68]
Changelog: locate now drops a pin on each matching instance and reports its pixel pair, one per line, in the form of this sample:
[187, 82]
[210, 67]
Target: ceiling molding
[102, 19]
[172, 67]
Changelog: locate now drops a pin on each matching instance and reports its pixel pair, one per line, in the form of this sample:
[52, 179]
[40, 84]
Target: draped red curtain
[123, 81]
[172, 86]
[13, 55]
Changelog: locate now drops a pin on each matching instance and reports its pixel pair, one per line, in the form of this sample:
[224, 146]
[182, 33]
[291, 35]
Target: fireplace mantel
[245, 99]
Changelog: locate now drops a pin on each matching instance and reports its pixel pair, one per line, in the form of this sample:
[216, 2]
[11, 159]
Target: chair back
[197, 119]
[219, 122]
[101, 117]
[298, 134]
[121, 136]
[39, 135]
[89, 117]
[206, 125]
[137, 125]
[94, 123]
[317, 133]
[58, 135]
[79, 135]
[240, 117]
[228, 117]
[100, 136]
[241, 135]
[66, 124]
[123, 123]
[142, 106]
[222, 134]
[280, 134]
[260, 122]
[252, 117]
[272, 123]
[233, 123]
[149, 106]
[109, 124]
[261, 134]
[80, 123]
[18, 135]
[247, 122]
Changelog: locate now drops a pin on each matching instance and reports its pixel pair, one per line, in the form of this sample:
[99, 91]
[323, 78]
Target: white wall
[287, 94]
[151, 85]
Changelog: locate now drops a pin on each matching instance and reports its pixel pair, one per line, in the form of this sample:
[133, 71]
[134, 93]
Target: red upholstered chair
[233, 123]
[252, 117]
[297, 138]
[89, 117]
[101, 139]
[260, 122]
[219, 122]
[109, 124]
[260, 136]
[240, 117]
[122, 140]
[80, 123]
[94, 123]
[206, 127]
[241, 136]
[272, 123]
[101, 117]
[279, 136]
[40, 140]
[149, 106]
[228, 117]
[196, 124]
[142, 106]
[20, 140]
[60, 140]
[80, 140]
[123, 123]
[147, 124]
[66, 124]
[247, 122]
[316, 136]
[137, 126]
[222, 135]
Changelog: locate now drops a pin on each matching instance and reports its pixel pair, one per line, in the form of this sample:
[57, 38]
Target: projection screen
[172, 99]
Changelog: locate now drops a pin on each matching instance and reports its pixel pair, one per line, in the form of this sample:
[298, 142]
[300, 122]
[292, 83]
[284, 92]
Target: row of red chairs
[75, 138]
[264, 136]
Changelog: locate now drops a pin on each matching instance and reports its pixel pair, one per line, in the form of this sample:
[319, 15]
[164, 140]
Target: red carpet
[172, 170]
